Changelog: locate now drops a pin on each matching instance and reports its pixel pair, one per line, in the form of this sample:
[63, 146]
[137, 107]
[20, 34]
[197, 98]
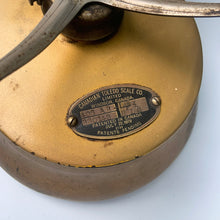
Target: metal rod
[168, 7]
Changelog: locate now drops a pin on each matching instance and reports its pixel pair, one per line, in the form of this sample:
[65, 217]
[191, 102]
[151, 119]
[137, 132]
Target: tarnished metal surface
[34, 138]
[167, 7]
[163, 53]
[92, 183]
[63, 11]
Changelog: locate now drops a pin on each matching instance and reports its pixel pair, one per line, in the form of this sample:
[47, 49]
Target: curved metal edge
[92, 183]
[168, 7]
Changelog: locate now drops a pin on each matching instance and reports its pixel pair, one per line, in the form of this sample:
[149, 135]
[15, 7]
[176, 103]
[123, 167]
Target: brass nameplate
[114, 111]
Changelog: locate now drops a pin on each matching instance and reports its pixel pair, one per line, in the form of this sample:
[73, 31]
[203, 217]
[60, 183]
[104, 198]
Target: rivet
[72, 121]
[156, 101]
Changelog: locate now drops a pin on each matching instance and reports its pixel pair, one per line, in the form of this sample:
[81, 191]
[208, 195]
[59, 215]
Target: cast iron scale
[109, 104]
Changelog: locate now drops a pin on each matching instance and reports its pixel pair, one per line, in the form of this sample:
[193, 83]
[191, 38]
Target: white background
[188, 189]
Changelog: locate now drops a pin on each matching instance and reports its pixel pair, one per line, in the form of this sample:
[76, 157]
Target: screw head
[156, 101]
[71, 121]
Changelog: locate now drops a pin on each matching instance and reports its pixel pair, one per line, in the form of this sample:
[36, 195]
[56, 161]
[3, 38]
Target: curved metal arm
[63, 11]
[168, 7]
[59, 15]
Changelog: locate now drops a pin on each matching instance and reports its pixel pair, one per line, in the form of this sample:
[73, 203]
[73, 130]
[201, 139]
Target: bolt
[72, 121]
[156, 101]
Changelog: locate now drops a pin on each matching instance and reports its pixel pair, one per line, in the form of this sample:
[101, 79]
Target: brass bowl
[41, 151]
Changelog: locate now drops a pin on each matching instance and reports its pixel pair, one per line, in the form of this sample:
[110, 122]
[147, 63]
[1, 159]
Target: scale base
[39, 149]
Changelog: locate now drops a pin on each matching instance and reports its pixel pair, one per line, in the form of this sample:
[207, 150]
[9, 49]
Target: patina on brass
[63, 11]
[36, 145]
[151, 51]
[91, 183]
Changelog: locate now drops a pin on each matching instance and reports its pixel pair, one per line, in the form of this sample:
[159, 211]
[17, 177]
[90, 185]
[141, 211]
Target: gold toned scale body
[109, 104]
